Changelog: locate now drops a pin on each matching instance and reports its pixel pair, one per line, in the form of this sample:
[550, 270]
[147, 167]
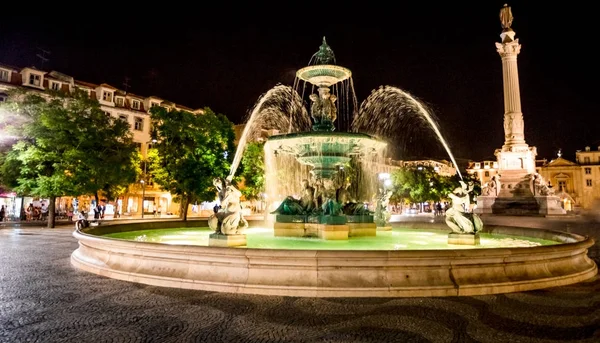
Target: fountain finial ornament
[506, 18]
[325, 54]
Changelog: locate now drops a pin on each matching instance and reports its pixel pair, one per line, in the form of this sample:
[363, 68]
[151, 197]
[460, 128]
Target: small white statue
[229, 219]
[457, 217]
[490, 188]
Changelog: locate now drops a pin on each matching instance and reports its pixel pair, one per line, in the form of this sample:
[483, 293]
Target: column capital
[512, 48]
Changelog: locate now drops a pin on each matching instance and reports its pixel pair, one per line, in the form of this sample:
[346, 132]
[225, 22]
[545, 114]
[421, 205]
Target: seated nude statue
[229, 219]
[457, 217]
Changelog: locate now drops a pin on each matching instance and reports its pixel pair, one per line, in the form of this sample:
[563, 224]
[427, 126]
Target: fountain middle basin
[338, 273]
[324, 151]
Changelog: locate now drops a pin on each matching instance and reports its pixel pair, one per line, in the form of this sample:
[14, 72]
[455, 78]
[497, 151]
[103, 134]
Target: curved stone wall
[319, 273]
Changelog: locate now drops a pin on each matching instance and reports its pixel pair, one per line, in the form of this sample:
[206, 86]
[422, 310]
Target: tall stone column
[515, 157]
[514, 134]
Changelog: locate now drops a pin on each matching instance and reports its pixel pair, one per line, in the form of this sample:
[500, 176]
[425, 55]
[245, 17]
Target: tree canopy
[421, 184]
[252, 170]
[66, 145]
[192, 149]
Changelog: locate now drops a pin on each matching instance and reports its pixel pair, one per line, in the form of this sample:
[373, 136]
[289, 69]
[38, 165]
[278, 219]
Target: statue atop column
[506, 18]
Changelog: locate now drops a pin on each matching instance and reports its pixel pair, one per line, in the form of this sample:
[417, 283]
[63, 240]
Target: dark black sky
[225, 56]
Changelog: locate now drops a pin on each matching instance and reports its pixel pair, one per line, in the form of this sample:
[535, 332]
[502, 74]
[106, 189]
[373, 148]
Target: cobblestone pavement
[44, 299]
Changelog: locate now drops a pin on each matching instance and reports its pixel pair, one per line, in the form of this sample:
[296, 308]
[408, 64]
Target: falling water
[387, 109]
[280, 109]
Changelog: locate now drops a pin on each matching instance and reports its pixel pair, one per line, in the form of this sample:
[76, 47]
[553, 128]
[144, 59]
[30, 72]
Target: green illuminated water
[397, 239]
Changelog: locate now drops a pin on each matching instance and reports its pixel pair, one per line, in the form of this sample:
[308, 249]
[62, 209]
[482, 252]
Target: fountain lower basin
[338, 273]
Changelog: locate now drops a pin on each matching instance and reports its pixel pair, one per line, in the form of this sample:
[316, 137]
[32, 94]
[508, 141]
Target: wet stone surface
[44, 299]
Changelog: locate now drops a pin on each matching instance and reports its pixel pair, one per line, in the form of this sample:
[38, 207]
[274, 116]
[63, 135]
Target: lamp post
[143, 181]
[143, 190]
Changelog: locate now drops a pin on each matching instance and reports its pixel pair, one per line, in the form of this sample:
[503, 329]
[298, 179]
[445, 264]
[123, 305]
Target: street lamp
[143, 181]
[143, 191]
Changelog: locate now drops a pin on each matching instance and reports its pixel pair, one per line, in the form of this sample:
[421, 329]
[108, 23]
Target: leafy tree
[416, 184]
[67, 146]
[252, 171]
[192, 150]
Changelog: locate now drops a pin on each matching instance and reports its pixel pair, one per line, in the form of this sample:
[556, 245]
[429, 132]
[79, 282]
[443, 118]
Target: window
[55, 86]
[107, 96]
[34, 80]
[588, 171]
[3, 97]
[155, 104]
[586, 160]
[139, 124]
[562, 186]
[119, 101]
[135, 104]
[139, 146]
[588, 182]
[477, 165]
[123, 117]
[107, 113]
[487, 174]
[4, 75]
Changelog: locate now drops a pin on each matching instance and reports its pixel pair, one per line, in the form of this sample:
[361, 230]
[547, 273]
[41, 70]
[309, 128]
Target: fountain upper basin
[324, 75]
[325, 151]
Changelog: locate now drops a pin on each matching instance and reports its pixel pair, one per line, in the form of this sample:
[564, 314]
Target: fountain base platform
[463, 238]
[324, 226]
[219, 240]
[337, 273]
[384, 228]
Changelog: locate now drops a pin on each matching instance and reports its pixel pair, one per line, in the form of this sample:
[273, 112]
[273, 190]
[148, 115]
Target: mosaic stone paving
[44, 299]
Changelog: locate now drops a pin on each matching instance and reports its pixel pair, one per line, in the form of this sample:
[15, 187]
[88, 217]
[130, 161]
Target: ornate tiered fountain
[417, 262]
[323, 210]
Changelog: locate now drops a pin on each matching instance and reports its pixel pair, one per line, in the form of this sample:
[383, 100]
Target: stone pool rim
[337, 273]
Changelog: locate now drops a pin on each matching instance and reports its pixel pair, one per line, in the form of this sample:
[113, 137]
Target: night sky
[225, 56]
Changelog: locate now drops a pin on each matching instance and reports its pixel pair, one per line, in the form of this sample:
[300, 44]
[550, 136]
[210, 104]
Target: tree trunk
[51, 211]
[97, 198]
[185, 203]
[22, 208]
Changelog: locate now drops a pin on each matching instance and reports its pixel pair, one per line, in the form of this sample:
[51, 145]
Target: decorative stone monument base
[516, 206]
[324, 227]
[289, 230]
[333, 232]
[463, 238]
[218, 240]
[550, 205]
[531, 206]
[323, 231]
[484, 204]
[362, 229]
[384, 228]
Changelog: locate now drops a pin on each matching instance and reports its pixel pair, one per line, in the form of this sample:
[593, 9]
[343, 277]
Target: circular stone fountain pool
[408, 261]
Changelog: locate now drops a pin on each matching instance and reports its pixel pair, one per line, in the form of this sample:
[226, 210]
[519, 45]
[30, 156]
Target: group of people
[35, 212]
[439, 209]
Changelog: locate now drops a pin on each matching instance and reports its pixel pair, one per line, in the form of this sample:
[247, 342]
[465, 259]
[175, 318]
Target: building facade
[442, 167]
[131, 108]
